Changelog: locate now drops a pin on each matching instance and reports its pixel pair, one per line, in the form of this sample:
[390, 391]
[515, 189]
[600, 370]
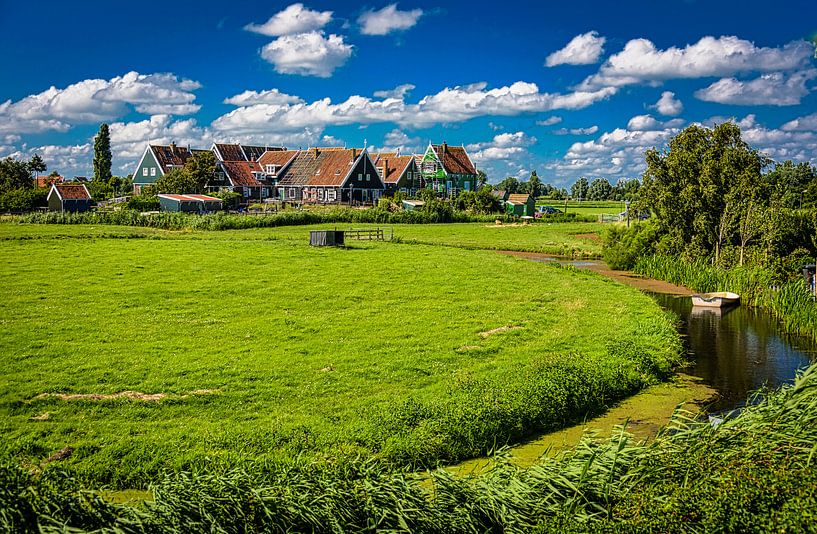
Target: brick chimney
[354, 154]
[316, 152]
[445, 147]
[385, 168]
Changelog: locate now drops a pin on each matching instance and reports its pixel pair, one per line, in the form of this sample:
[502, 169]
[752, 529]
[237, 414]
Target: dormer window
[272, 169]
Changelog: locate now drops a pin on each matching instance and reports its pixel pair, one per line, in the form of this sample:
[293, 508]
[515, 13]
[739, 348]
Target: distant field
[252, 346]
[586, 208]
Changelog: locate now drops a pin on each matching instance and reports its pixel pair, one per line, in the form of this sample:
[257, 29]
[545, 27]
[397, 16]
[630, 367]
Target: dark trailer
[189, 203]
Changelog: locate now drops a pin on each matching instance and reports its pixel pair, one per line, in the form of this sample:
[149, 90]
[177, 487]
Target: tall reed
[788, 301]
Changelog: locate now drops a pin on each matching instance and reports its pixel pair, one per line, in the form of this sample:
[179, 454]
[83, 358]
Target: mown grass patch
[323, 352]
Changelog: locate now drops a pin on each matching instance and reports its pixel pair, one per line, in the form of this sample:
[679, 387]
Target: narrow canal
[737, 350]
[731, 353]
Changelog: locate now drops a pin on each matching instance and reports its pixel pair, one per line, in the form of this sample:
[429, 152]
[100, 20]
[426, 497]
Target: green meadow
[143, 350]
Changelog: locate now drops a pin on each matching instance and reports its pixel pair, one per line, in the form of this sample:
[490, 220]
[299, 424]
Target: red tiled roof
[46, 181]
[518, 198]
[333, 166]
[73, 192]
[392, 166]
[241, 172]
[277, 157]
[230, 152]
[320, 166]
[170, 155]
[455, 159]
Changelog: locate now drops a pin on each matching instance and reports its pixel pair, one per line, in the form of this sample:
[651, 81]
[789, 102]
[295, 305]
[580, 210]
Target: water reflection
[738, 350]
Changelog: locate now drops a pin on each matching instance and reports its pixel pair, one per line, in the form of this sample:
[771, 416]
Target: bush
[624, 246]
[19, 200]
[143, 203]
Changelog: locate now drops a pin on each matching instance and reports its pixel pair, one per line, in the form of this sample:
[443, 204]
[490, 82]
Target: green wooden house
[155, 162]
[448, 169]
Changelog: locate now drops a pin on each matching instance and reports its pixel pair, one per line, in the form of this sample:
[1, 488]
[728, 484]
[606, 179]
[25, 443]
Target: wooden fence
[368, 234]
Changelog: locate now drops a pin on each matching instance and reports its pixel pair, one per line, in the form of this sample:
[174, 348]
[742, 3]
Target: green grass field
[259, 347]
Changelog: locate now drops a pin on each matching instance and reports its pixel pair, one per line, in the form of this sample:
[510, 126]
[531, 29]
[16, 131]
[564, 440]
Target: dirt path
[598, 266]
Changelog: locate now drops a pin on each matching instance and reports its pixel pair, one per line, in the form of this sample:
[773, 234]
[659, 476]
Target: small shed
[411, 205]
[189, 203]
[520, 205]
[65, 197]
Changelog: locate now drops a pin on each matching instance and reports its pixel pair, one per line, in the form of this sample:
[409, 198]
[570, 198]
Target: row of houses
[318, 175]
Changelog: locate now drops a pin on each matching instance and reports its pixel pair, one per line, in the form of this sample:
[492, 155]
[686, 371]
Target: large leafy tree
[192, 178]
[599, 189]
[535, 186]
[202, 167]
[509, 185]
[579, 189]
[37, 165]
[102, 155]
[699, 185]
[791, 184]
[15, 174]
[177, 181]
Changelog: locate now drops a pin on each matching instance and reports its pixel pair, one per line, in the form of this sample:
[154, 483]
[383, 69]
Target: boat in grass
[720, 299]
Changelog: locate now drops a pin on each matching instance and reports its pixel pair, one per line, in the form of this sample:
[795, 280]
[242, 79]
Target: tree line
[582, 189]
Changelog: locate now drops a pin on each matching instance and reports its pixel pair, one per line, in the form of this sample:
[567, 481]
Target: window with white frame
[144, 171]
[153, 171]
[291, 192]
[320, 194]
[368, 177]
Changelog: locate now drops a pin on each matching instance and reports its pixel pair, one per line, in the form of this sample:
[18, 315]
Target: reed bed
[788, 301]
[754, 472]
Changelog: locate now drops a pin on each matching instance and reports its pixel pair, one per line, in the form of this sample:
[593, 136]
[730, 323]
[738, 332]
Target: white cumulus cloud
[584, 49]
[668, 104]
[307, 54]
[272, 96]
[399, 92]
[802, 124]
[642, 62]
[98, 100]
[773, 89]
[294, 19]
[388, 20]
[449, 105]
[577, 131]
[550, 121]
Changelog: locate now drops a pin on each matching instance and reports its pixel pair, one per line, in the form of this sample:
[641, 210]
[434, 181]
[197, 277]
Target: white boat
[720, 299]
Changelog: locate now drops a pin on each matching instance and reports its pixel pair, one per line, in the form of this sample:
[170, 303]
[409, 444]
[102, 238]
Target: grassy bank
[242, 349]
[789, 302]
[752, 473]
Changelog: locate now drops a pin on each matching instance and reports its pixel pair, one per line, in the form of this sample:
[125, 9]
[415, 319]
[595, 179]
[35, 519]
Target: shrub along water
[225, 221]
[788, 300]
[753, 472]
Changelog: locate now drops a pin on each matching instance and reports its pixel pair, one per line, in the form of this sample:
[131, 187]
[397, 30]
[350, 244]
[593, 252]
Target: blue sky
[574, 89]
